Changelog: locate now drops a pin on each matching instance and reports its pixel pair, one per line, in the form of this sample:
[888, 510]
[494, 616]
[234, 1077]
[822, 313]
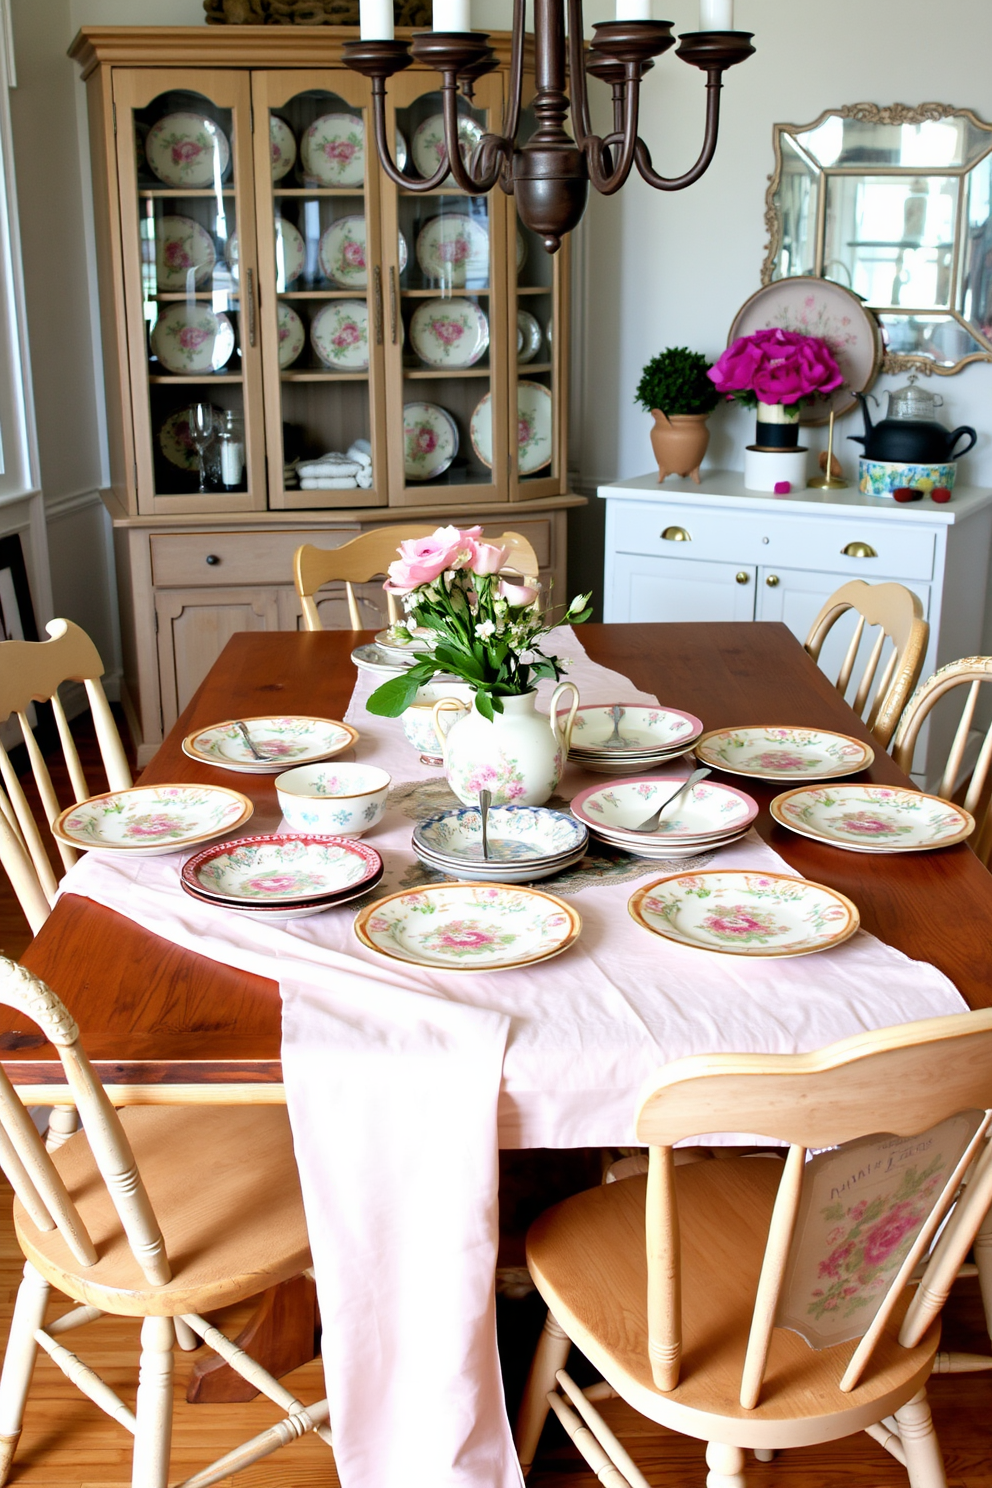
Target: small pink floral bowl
[344, 800]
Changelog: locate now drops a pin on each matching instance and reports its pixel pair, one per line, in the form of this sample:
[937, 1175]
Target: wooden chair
[972, 670]
[686, 1288]
[898, 613]
[158, 1213]
[32, 672]
[367, 557]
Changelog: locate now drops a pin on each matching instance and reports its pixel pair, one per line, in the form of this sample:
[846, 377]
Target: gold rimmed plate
[466, 927]
[743, 913]
[783, 752]
[148, 820]
[873, 818]
[288, 739]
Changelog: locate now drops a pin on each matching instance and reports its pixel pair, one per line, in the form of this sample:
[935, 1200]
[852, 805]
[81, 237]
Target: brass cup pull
[773, 581]
[743, 578]
[676, 534]
[859, 550]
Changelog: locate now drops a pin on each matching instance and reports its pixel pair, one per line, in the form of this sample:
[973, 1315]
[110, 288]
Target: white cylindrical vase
[765, 469]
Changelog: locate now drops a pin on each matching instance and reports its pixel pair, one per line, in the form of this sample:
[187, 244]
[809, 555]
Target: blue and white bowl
[340, 800]
[525, 836]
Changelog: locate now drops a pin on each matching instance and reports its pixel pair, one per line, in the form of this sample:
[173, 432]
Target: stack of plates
[282, 878]
[525, 843]
[643, 737]
[707, 817]
[404, 653]
[291, 739]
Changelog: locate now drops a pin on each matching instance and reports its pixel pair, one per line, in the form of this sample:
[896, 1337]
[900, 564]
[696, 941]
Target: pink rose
[447, 331]
[185, 151]
[354, 255]
[348, 335]
[888, 1233]
[176, 256]
[519, 594]
[190, 338]
[339, 150]
[488, 558]
[423, 559]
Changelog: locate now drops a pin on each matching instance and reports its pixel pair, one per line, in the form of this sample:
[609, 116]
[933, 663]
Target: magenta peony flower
[777, 366]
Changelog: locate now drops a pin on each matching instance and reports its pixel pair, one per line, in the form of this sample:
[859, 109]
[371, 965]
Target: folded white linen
[329, 483]
[361, 449]
[364, 482]
[335, 463]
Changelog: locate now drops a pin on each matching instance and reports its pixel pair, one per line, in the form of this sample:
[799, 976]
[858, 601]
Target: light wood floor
[68, 1443]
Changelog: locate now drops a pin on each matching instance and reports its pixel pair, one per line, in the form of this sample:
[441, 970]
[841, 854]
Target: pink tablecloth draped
[402, 1082]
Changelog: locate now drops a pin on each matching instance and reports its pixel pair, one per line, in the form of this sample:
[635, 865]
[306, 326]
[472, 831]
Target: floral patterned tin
[882, 477]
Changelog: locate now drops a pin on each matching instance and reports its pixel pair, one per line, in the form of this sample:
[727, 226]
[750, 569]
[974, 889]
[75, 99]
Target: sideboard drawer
[181, 559]
[716, 533]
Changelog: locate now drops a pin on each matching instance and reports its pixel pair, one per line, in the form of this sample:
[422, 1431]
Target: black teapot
[911, 435]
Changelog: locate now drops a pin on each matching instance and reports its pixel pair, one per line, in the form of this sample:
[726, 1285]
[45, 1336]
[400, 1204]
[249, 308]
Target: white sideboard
[716, 551]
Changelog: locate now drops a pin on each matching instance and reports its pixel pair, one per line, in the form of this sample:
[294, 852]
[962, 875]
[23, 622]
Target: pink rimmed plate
[707, 812]
[285, 870]
[640, 729]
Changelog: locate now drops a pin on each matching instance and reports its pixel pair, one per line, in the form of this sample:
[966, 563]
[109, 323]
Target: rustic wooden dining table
[162, 1024]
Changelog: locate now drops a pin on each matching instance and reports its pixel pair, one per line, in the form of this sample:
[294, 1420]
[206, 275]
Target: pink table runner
[402, 1083]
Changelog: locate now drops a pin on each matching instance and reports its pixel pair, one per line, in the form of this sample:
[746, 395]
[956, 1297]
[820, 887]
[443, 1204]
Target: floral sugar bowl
[339, 800]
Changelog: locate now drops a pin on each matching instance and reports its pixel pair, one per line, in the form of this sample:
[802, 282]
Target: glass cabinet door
[187, 214]
[321, 289]
[446, 294]
[538, 333]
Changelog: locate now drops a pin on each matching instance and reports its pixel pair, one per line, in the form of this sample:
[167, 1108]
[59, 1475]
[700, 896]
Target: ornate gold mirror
[895, 204]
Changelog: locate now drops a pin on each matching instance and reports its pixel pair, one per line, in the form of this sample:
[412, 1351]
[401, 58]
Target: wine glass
[201, 431]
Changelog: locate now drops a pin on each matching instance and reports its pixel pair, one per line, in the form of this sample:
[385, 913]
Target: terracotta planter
[679, 443]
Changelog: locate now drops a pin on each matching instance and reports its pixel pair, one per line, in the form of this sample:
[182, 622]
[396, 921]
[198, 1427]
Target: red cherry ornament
[907, 493]
[940, 494]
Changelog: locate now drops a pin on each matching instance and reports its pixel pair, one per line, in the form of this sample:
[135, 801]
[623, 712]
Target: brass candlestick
[826, 481]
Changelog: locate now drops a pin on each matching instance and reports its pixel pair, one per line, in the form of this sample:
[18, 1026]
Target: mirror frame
[873, 113]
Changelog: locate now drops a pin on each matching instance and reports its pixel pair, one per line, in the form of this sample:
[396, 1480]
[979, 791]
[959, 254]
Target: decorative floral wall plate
[151, 819]
[745, 914]
[469, 927]
[707, 810]
[291, 253]
[270, 869]
[191, 337]
[182, 247]
[640, 729]
[818, 307]
[339, 333]
[776, 753]
[187, 149]
[290, 739]
[529, 336]
[516, 834]
[283, 147]
[176, 443]
[534, 419]
[430, 440]
[428, 142]
[332, 151]
[292, 336]
[342, 252]
[873, 818]
[454, 250]
[449, 333]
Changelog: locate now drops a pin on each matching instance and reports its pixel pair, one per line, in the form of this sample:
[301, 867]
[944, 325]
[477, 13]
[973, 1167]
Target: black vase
[775, 430]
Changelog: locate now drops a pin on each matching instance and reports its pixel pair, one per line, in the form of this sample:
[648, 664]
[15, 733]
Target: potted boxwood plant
[676, 391]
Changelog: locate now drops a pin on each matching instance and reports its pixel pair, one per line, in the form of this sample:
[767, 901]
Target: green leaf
[396, 695]
[484, 705]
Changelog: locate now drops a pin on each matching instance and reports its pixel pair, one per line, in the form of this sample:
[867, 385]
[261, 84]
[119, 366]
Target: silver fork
[651, 824]
[257, 753]
[485, 801]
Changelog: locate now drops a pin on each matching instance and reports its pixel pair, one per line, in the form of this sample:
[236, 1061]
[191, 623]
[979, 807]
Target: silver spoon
[257, 753]
[485, 801]
[651, 825]
[616, 740]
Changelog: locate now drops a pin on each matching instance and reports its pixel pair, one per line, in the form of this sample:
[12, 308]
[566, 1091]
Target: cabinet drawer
[184, 558]
[786, 538]
[538, 534]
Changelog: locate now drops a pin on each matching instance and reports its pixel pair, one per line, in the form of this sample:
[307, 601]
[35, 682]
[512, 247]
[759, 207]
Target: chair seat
[587, 1257]
[224, 1186]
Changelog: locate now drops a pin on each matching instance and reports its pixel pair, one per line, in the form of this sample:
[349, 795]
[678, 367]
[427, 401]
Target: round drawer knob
[212, 559]
[773, 581]
[743, 578]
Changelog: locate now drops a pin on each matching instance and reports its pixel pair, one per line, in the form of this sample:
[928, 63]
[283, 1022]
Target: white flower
[485, 630]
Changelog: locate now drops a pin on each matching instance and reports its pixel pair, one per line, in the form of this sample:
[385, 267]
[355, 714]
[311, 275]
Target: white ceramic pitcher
[519, 756]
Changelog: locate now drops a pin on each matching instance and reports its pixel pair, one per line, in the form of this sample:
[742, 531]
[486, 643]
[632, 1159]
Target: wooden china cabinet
[254, 258]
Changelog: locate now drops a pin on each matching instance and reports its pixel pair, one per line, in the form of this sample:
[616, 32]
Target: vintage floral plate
[624, 767]
[339, 334]
[290, 739]
[707, 810]
[182, 248]
[341, 252]
[449, 333]
[274, 914]
[535, 445]
[873, 818]
[291, 253]
[391, 644]
[428, 148]
[469, 927]
[776, 753]
[332, 151]
[372, 659]
[283, 142]
[454, 250]
[151, 819]
[516, 834]
[292, 336]
[188, 149]
[430, 440]
[745, 914]
[190, 337]
[661, 851]
[503, 872]
[176, 443]
[529, 336]
[641, 729]
[270, 869]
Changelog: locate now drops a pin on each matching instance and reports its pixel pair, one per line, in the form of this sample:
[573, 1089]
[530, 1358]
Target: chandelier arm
[600, 153]
[460, 172]
[409, 183]
[511, 109]
[581, 124]
[714, 83]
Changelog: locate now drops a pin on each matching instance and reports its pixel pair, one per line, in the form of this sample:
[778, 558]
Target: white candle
[376, 19]
[633, 10]
[452, 15]
[716, 15]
